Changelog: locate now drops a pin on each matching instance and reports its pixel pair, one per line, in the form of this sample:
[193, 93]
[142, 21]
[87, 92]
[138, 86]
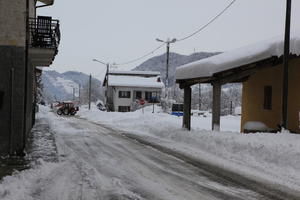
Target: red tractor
[66, 108]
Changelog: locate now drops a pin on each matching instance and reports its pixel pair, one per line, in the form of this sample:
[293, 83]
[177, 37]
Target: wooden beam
[216, 112]
[193, 81]
[187, 108]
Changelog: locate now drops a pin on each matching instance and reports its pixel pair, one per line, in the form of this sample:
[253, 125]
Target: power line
[179, 40]
[139, 58]
[210, 22]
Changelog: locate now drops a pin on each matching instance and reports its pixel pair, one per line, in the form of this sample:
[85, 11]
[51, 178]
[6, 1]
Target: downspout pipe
[21, 151]
[285, 84]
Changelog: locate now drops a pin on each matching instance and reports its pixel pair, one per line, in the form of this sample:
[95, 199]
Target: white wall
[128, 101]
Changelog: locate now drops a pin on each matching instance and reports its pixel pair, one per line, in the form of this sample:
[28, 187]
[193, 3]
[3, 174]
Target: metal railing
[44, 33]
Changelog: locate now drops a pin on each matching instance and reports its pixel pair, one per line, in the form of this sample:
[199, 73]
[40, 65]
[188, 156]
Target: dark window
[124, 94]
[148, 96]
[1, 99]
[151, 97]
[124, 109]
[138, 94]
[268, 98]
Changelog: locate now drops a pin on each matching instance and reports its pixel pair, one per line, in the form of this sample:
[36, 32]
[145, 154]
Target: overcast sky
[122, 30]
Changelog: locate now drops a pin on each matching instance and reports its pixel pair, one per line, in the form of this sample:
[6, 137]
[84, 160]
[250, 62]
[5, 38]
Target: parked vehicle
[66, 108]
[177, 109]
[101, 106]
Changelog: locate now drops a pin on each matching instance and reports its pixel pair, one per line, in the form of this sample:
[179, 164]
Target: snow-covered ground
[273, 158]
[95, 162]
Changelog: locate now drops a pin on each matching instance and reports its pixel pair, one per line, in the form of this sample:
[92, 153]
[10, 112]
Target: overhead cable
[207, 24]
[141, 57]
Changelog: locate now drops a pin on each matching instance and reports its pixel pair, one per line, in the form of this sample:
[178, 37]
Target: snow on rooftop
[134, 81]
[135, 73]
[238, 57]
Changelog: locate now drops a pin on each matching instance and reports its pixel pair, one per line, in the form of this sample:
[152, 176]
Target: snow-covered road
[96, 162]
[134, 171]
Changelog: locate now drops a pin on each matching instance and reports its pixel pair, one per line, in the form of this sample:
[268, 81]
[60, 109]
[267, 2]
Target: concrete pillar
[216, 111]
[187, 108]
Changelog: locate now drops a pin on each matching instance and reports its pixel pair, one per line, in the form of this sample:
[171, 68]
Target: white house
[124, 89]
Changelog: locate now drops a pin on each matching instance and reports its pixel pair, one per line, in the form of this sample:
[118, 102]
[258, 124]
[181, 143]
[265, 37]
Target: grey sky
[121, 30]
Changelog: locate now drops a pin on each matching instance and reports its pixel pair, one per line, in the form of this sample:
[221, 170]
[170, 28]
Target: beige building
[259, 68]
[26, 41]
[262, 96]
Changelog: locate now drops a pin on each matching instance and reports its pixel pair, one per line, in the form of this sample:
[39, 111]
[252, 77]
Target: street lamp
[107, 71]
[168, 42]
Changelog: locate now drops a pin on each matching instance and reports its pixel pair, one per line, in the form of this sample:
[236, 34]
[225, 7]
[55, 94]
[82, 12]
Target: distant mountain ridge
[158, 63]
[59, 86]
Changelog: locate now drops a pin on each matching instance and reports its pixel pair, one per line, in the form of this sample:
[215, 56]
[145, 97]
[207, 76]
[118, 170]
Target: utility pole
[167, 64]
[79, 93]
[73, 94]
[90, 91]
[168, 42]
[106, 92]
[200, 100]
[106, 76]
[285, 85]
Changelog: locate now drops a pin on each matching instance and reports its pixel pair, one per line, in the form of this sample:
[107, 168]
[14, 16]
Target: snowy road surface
[99, 163]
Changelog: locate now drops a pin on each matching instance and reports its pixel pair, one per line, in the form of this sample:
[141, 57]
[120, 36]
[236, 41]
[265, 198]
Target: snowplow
[66, 108]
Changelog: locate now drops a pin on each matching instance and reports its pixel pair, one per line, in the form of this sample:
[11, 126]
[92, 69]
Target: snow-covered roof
[141, 73]
[238, 57]
[134, 81]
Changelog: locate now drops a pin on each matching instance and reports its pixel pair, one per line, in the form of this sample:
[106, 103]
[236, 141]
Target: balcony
[44, 40]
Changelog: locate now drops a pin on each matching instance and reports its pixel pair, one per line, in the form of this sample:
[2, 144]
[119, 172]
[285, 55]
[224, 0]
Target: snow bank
[19, 185]
[238, 57]
[275, 157]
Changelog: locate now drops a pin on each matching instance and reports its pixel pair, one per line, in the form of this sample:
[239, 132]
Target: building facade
[125, 89]
[262, 97]
[26, 41]
[259, 67]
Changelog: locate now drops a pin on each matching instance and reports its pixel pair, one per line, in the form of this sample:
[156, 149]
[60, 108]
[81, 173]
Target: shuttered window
[268, 97]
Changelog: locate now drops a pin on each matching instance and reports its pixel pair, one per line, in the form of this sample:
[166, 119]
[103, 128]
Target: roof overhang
[238, 74]
[47, 2]
[238, 64]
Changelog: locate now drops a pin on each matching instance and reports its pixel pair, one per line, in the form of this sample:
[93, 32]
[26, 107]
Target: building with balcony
[124, 89]
[27, 41]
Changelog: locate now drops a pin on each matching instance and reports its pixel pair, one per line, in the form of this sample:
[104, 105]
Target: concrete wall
[12, 22]
[13, 57]
[253, 97]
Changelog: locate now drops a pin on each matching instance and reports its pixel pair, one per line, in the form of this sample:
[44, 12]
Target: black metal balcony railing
[44, 32]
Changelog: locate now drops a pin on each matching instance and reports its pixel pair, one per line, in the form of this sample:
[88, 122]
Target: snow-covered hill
[158, 63]
[59, 86]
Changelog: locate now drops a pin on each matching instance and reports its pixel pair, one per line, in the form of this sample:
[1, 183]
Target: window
[1, 98]
[124, 109]
[268, 97]
[148, 96]
[152, 97]
[138, 95]
[124, 94]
